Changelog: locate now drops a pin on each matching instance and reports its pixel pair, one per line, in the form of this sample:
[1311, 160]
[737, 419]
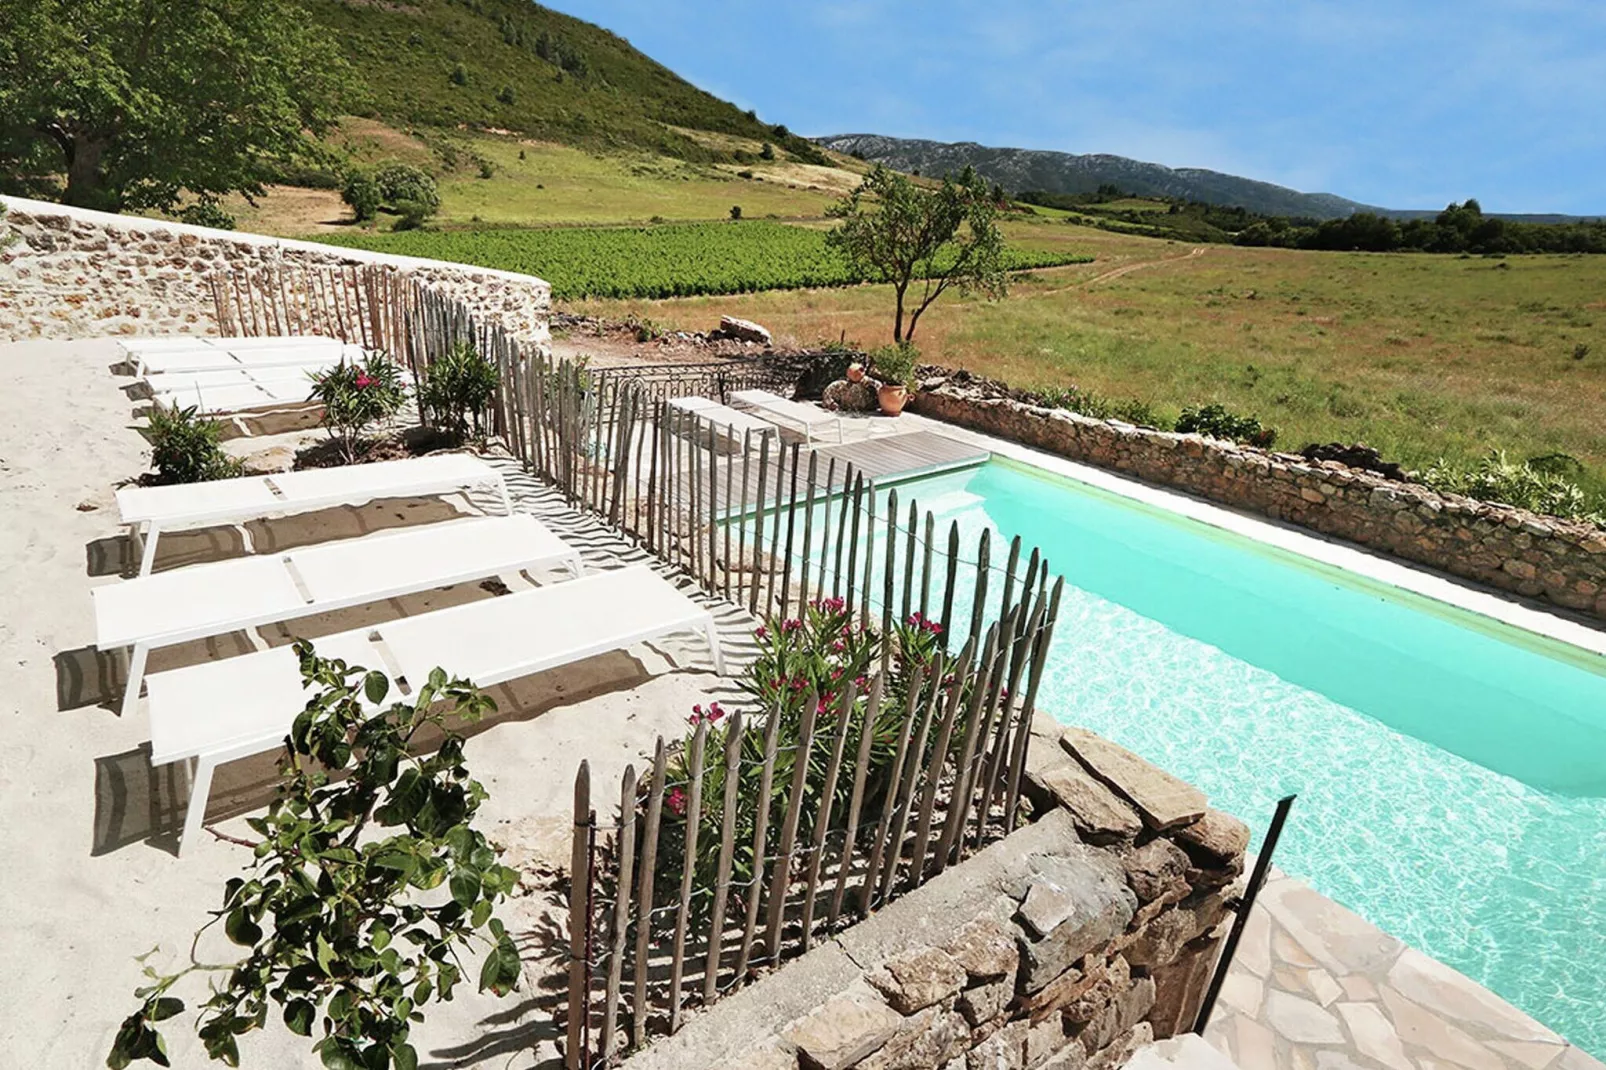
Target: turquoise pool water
[1451, 772]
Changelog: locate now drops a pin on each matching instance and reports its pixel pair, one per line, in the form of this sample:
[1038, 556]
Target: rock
[1162, 800]
[743, 330]
[1215, 840]
[928, 1039]
[915, 981]
[267, 462]
[1044, 1040]
[1116, 979]
[843, 1031]
[1120, 1051]
[986, 1001]
[845, 396]
[1155, 869]
[1355, 456]
[1124, 1011]
[1300, 1020]
[86, 506]
[985, 949]
[1004, 1050]
[1075, 906]
[1160, 941]
[1100, 815]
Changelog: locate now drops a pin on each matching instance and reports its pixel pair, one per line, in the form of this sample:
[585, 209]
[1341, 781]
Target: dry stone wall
[1561, 561]
[72, 273]
[1068, 945]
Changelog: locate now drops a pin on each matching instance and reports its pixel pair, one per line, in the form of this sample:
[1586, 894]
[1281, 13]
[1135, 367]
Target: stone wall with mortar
[72, 273]
[1561, 561]
[1067, 945]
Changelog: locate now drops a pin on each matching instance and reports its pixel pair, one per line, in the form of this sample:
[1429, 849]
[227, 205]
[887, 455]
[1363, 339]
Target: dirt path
[1127, 269]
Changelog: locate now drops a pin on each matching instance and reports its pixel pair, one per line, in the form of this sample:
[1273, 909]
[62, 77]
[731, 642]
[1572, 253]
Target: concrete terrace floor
[88, 829]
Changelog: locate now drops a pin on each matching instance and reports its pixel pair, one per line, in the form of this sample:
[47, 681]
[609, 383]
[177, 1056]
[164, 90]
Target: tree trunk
[897, 322]
[86, 179]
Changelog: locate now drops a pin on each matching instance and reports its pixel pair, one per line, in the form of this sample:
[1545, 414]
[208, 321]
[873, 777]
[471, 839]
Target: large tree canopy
[137, 101]
[897, 232]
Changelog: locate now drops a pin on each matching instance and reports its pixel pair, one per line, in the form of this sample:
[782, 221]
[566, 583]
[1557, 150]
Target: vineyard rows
[648, 262]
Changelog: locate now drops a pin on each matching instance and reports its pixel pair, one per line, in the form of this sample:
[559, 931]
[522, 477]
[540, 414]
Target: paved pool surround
[1535, 556]
[73, 273]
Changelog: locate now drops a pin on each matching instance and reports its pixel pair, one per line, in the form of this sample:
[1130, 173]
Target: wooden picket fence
[833, 831]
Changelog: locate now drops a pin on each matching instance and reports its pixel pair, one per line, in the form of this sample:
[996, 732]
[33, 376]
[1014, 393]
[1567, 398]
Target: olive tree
[136, 102]
[898, 232]
[368, 881]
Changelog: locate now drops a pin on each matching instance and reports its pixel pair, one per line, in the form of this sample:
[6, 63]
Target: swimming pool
[1451, 771]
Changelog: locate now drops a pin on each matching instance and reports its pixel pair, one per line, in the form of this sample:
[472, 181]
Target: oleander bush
[357, 398]
[457, 392]
[1541, 484]
[184, 447]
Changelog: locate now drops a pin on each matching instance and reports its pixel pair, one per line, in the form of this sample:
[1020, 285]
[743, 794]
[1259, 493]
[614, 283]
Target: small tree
[895, 231]
[458, 390]
[337, 931]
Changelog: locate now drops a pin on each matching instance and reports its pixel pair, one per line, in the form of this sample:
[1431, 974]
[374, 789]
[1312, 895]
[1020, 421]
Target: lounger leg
[195, 813]
[136, 678]
[507, 499]
[711, 632]
[147, 545]
[576, 567]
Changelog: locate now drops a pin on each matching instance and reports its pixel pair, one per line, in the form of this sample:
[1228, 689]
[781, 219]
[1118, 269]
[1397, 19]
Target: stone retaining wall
[1069, 944]
[72, 273]
[1562, 561]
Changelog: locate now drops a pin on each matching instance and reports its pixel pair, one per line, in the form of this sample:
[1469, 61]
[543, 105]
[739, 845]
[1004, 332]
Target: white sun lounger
[213, 358]
[149, 511]
[229, 596]
[731, 423]
[779, 410]
[174, 382]
[134, 347]
[219, 711]
[246, 396]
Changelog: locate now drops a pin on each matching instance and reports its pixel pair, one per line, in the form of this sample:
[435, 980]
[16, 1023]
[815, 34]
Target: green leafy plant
[338, 912]
[206, 211]
[820, 656]
[1218, 422]
[184, 447]
[895, 364]
[362, 194]
[457, 391]
[1540, 484]
[358, 397]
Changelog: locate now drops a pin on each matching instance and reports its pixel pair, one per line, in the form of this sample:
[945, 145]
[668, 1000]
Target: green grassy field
[1420, 356]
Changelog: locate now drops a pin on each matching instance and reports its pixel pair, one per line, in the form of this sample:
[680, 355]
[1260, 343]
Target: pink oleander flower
[797, 683]
[761, 632]
[837, 646]
[364, 380]
[677, 801]
[715, 712]
[791, 624]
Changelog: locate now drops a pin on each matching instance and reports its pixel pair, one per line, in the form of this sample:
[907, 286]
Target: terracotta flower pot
[855, 372]
[892, 397]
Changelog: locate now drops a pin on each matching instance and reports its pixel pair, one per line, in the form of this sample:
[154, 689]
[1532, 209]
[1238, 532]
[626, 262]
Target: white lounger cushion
[792, 412]
[227, 596]
[213, 358]
[222, 710]
[242, 397]
[254, 497]
[728, 420]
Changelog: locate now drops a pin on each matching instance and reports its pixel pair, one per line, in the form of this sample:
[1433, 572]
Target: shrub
[822, 655]
[1540, 484]
[767, 152]
[206, 212]
[336, 915]
[505, 95]
[457, 391]
[401, 183]
[1087, 403]
[744, 174]
[184, 448]
[362, 194]
[358, 397]
[736, 212]
[895, 364]
[1217, 422]
[487, 169]
[459, 75]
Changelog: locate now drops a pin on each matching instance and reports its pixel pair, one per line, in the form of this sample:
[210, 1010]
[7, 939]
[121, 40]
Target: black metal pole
[1256, 879]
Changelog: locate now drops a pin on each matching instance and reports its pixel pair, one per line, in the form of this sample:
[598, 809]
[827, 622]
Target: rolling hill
[517, 66]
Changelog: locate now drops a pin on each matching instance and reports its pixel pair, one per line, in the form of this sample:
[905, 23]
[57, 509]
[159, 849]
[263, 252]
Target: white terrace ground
[87, 830]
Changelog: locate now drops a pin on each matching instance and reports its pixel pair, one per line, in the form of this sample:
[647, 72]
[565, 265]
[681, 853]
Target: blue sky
[1402, 104]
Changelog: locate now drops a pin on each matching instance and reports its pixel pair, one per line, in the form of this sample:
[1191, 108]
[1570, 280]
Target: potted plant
[895, 366]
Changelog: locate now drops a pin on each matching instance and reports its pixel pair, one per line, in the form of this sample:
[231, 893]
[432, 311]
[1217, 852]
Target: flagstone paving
[1316, 987]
